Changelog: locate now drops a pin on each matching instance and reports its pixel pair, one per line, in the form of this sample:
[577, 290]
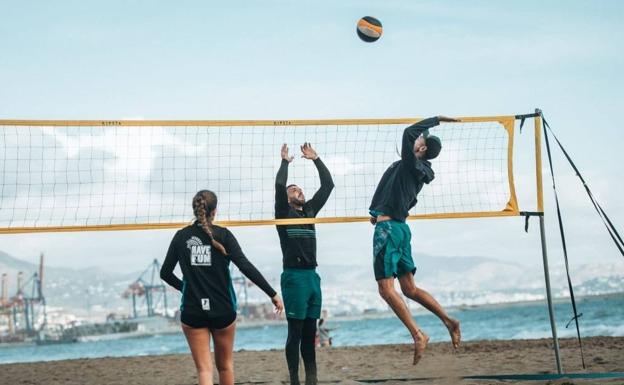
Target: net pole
[538, 161]
[540, 208]
[551, 311]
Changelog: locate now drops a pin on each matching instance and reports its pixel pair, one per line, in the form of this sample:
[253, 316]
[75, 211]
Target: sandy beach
[345, 365]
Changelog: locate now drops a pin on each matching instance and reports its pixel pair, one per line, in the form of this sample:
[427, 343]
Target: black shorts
[197, 321]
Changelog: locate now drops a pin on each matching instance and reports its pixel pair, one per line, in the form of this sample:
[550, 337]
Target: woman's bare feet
[420, 344]
[454, 331]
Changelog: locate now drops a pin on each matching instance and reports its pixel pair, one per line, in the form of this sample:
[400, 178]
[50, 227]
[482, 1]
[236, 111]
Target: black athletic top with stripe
[400, 184]
[298, 242]
[206, 285]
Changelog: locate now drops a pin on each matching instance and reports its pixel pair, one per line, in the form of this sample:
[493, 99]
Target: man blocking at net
[300, 284]
[392, 253]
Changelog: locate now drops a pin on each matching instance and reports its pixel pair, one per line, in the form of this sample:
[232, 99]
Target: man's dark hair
[290, 185]
[434, 146]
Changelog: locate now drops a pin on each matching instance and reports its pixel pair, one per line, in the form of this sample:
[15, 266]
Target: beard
[297, 201]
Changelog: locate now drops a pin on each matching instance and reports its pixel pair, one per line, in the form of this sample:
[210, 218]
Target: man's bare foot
[420, 344]
[454, 331]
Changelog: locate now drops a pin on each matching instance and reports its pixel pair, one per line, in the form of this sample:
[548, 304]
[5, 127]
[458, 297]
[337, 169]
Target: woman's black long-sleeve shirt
[206, 285]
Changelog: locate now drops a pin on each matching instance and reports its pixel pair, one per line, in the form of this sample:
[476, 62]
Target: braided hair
[204, 202]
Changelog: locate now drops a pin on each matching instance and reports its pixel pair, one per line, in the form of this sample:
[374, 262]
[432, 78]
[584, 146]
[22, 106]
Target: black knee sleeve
[293, 342]
[308, 350]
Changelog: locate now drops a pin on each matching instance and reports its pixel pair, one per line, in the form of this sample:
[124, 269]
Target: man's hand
[285, 153]
[308, 152]
[447, 119]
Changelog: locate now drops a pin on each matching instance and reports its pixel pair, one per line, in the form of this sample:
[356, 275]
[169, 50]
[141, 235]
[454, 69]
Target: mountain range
[347, 289]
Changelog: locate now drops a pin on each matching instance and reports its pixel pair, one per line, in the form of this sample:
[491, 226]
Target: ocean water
[602, 316]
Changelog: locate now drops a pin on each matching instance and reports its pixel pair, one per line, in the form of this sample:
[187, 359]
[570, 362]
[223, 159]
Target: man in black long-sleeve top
[395, 195]
[300, 284]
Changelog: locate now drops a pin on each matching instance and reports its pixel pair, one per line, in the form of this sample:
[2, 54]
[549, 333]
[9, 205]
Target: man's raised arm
[281, 197]
[327, 184]
[411, 133]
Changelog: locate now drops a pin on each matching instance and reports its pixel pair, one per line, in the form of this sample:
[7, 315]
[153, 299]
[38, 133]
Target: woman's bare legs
[199, 342]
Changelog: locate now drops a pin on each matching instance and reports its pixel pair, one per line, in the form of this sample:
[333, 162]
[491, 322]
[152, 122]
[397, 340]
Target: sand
[345, 365]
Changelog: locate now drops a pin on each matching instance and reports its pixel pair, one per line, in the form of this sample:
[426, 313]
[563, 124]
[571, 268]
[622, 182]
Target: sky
[303, 60]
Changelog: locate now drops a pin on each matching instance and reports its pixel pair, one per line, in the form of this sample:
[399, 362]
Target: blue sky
[289, 60]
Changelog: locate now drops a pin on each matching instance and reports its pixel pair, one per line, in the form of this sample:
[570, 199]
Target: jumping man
[395, 195]
[301, 285]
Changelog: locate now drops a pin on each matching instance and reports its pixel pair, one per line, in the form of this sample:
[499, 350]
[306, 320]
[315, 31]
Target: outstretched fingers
[284, 153]
[308, 152]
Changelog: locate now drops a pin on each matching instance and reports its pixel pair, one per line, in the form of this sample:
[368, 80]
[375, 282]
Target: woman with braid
[208, 305]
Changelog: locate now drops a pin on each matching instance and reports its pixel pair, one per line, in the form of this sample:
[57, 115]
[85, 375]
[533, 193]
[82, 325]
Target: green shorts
[392, 251]
[301, 290]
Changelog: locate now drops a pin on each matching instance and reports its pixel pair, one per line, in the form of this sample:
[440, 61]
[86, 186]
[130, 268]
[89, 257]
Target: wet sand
[440, 365]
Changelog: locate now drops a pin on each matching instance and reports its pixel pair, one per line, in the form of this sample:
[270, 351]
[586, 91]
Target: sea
[601, 316]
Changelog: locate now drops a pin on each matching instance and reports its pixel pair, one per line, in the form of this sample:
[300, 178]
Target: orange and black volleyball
[369, 29]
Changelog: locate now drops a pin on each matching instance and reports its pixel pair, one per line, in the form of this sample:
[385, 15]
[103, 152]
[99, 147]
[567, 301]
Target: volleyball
[369, 29]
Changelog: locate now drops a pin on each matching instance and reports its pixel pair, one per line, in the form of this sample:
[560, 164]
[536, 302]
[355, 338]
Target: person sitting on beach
[208, 305]
[392, 253]
[324, 337]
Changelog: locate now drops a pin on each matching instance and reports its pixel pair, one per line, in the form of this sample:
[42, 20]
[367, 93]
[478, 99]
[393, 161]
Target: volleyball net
[115, 175]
